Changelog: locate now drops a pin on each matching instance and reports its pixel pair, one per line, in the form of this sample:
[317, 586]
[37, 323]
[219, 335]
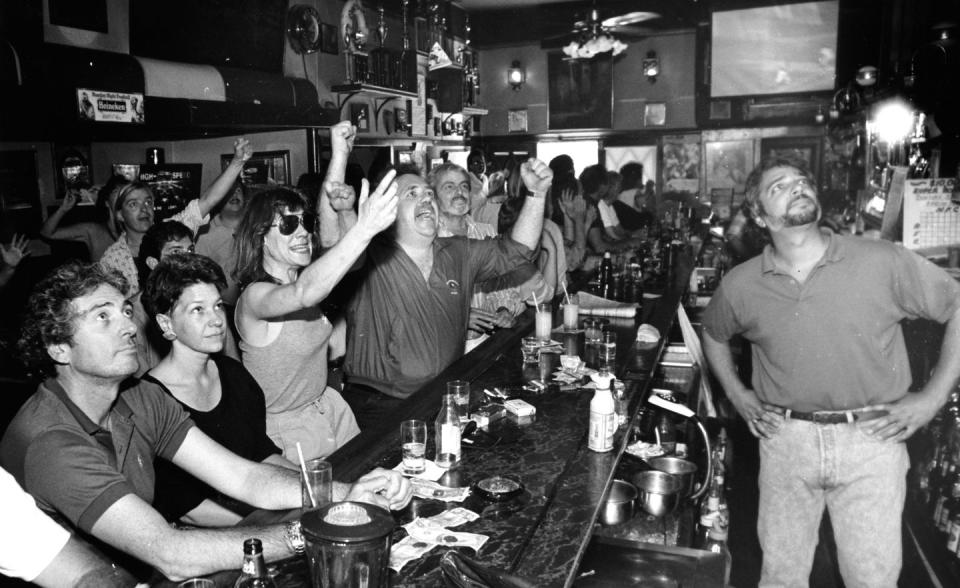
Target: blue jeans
[861, 480]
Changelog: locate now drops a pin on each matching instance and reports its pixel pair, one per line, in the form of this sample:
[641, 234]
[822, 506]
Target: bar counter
[541, 535]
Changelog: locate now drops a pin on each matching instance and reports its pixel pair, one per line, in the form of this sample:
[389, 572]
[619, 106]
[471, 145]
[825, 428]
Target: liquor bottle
[606, 276]
[950, 506]
[603, 417]
[254, 574]
[447, 430]
[717, 543]
[406, 60]
[942, 494]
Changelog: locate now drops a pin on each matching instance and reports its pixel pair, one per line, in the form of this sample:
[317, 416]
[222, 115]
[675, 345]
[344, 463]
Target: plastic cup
[592, 329]
[413, 445]
[571, 313]
[316, 484]
[544, 321]
[461, 391]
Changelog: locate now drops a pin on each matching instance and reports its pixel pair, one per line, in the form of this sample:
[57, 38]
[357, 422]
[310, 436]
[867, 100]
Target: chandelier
[594, 44]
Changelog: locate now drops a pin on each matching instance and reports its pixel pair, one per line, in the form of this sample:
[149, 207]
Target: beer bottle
[253, 574]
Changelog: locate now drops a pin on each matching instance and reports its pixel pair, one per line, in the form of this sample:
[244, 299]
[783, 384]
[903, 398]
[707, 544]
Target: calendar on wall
[931, 213]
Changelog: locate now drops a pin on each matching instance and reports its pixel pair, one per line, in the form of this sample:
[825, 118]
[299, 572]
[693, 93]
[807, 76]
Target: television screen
[785, 49]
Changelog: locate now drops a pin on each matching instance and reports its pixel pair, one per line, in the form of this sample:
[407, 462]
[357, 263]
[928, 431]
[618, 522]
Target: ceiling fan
[595, 34]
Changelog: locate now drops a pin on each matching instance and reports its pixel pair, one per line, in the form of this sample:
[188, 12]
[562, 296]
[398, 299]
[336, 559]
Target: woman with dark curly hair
[284, 334]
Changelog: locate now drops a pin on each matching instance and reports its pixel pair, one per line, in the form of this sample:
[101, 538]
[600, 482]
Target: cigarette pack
[488, 413]
[518, 407]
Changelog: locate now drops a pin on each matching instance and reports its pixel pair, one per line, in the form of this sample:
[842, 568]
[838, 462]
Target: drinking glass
[608, 351]
[571, 313]
[316, 484]
[591, 330]
[544, 321]
[197, 583]
[461, 391]
[529, 347]
[413, 444]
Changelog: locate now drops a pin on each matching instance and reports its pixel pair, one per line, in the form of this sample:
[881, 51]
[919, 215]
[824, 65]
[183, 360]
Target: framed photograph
[580, 92]
[265, 167]
[680, 168]
[329, 39]
[654, 114]
[517, 120]
[388, 124]
[804, 149]
[73, 169]
[360, 116]
[727, 164]
[402, 117]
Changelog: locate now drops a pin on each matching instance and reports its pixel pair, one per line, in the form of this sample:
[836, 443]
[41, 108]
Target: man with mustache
[408, 319]
[829, 396]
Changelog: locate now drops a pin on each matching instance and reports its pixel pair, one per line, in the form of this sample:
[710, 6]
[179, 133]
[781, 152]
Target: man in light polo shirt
[85, 449]
[829, 395]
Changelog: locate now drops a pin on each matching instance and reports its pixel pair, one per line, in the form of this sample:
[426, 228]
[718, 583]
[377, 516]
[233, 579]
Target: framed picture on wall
[680, 167]
[265, 167]
[580, 92]
[727, 164]
[804, 149]
[654, 114]
[517, 120]
[329, 40]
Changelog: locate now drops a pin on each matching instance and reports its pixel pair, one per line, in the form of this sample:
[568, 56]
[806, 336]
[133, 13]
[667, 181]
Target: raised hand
[242, 150]
[378, 210]
[571, 204]
[69, 200]
[14, 253]
[342, 196]
[536, 175]
[342, 135]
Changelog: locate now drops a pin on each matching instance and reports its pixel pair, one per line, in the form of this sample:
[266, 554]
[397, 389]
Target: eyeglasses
[289, 222]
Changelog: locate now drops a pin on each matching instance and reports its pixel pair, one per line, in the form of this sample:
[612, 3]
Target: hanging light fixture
[594, 38]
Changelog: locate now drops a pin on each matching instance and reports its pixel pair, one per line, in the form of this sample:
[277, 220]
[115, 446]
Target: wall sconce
[651, 66]
[516, 75]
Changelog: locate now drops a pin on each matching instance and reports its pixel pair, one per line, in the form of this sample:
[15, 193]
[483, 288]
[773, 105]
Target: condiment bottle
[603, 418]
[254, 570]
[606, 276]
[717, 543]
[447, 430]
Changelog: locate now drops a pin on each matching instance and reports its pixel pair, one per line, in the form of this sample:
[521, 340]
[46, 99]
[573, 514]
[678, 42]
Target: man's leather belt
[834, 417]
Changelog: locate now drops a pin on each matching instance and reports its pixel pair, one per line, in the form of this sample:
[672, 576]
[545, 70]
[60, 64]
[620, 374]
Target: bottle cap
[252, 547]
[606, 255]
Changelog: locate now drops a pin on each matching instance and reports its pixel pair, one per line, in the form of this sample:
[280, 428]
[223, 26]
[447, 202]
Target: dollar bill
[453, 517]
[426, 532]
[428, 489]
[406, 550]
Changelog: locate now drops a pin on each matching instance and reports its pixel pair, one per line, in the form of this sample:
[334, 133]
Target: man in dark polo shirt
[829, 395]
[85, 449]
[408, 319]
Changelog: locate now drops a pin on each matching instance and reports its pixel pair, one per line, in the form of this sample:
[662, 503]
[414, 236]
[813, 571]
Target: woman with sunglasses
[284, 335]
[133, 210]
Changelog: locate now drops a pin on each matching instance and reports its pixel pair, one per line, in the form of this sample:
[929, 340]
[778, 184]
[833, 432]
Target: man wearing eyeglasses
[408, 319]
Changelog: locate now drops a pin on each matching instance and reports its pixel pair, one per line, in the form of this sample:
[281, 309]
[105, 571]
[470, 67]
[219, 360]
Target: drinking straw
[657, 433]
[536, 303]
[565, 293]
[303, 468]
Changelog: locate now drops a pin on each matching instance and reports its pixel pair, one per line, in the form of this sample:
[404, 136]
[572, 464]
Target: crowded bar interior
[504, 293]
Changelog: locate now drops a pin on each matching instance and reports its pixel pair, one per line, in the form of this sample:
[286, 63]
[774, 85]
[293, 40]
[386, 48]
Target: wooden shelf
[380, 94]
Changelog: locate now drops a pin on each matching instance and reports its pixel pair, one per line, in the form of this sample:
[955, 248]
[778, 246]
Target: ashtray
[498, 488]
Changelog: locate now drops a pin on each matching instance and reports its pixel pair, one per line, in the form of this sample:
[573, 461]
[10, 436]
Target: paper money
[453, 517]
[406, 550]
[426, 532]
[428, 489]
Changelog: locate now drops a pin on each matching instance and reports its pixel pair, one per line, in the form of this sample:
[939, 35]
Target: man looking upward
[829, 395]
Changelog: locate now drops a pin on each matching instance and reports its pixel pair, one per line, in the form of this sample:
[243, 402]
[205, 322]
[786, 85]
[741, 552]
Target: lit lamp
[651, 66]
[516, 75]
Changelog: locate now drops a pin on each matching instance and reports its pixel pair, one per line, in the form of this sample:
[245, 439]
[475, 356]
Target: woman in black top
[183, 296]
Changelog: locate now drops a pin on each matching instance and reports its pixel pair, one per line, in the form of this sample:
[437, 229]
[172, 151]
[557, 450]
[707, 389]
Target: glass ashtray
[498, 488]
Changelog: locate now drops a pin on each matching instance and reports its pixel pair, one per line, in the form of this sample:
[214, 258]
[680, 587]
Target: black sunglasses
[288, 223]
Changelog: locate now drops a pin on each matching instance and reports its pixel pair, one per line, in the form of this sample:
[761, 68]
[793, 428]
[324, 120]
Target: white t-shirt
[608, 216]
[29, 539]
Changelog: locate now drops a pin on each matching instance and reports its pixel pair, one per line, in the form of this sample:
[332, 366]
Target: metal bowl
[659, 492]
[685, 471]
[618, 503]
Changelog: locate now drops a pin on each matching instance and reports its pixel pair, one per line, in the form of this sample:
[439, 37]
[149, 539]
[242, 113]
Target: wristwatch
[294, 536]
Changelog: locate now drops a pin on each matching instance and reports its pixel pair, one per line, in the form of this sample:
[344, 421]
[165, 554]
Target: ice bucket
[348, 545]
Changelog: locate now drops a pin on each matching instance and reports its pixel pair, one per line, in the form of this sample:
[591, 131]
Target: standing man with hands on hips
[829, 397]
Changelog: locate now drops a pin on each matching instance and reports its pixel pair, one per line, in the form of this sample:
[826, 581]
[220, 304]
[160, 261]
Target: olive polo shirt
[75, 468]
[835, 341]
[404, 330]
